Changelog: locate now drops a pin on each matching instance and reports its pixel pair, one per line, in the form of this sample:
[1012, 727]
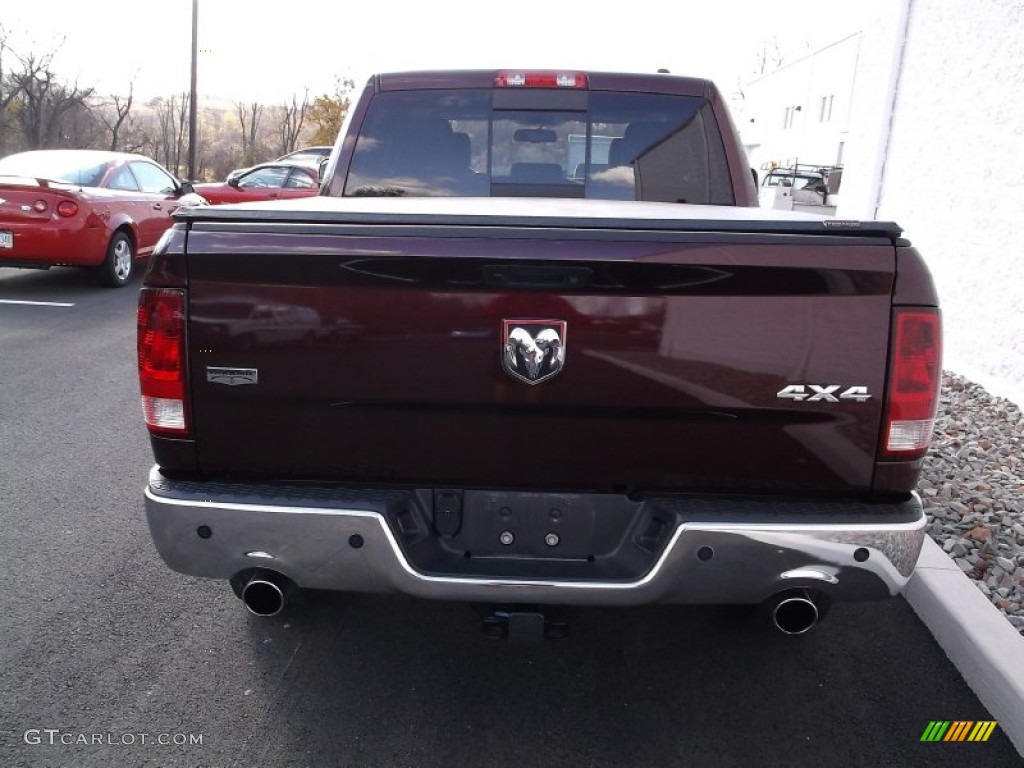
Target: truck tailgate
[704, 359]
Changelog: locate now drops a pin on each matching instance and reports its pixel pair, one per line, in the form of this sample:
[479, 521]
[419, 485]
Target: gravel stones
[972, 486]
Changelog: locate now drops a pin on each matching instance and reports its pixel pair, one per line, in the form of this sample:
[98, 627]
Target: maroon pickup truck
[535, 346]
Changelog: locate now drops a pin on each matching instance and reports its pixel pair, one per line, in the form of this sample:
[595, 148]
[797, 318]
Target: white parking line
[37, 303]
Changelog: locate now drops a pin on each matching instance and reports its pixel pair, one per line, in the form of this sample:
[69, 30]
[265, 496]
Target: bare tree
[171, 130]
[47, 105]
[78, 126]
[168, 142]
[182, 132]
[293, 117]
[8, 92]
[122, 111]
[249, 117]
[219, 150]
[135, 137]
[163, 140]
[10, 88]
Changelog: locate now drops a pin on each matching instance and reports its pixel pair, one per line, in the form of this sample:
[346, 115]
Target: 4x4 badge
[533, 350]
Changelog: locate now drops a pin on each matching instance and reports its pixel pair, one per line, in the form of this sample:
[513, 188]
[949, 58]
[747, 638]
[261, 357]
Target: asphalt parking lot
[106, 654]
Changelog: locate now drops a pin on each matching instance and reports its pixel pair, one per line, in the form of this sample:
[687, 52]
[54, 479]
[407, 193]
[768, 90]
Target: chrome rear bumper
[219, 530]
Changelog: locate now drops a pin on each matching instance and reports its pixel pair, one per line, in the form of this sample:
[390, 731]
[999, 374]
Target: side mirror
[754, 174]
[186, 188]
[322, 168]
[233, 181]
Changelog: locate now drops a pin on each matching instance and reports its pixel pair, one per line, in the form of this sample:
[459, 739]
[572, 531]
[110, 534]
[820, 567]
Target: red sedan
[85, 208]
[270, 181]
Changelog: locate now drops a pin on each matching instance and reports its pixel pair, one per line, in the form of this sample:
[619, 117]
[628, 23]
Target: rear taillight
[161, 346]
[915, 375]
[510, 79]
[67, 208]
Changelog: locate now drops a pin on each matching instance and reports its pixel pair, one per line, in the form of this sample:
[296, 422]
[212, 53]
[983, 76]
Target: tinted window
[123, 179]
[153, 180]
[614, 146]
[534, 147]
[271, 176]
[423, 143]
[662, 148]
[300, 179]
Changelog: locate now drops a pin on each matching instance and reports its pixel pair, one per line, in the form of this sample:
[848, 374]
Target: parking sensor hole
[705, 553]
[861, 554]
[355, 541]
[204, 532]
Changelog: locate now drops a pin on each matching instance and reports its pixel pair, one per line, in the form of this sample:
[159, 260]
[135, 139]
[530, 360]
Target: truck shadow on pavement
[382, 680]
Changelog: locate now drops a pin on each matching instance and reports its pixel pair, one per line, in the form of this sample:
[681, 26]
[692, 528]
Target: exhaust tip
[795, 615]
[264, 593]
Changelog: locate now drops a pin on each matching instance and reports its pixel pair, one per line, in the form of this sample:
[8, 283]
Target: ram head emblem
[534, 350]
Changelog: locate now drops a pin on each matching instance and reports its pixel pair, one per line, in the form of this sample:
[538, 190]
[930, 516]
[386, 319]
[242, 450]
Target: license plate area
[6, 239]
[521, 535]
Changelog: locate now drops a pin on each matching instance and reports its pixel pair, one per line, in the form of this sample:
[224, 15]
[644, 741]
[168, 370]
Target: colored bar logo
[958, 730]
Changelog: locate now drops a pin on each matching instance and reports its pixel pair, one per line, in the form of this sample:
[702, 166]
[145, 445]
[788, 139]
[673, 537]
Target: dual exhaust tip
[265, 594]
[795, 612]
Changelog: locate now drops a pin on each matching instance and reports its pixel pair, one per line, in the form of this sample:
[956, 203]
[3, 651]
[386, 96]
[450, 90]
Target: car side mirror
[321, 168]
[233, 181]
[186, 188]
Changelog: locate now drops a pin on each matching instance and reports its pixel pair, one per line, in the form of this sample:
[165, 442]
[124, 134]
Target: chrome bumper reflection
[355, 550]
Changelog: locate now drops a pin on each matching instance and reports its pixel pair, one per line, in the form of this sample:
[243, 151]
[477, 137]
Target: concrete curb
[976, 637]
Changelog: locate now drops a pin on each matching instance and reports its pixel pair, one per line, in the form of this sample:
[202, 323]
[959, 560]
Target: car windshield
[307, 154]
[619, 146]
[71, 169]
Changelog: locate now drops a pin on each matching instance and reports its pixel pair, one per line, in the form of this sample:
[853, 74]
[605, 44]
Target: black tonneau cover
[561, 214]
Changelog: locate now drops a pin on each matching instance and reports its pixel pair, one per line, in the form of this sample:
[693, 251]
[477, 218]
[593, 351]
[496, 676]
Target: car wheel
[119, 265]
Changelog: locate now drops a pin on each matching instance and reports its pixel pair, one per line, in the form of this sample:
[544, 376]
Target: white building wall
[800, 112]
[882, 42]
[935, 142]
[954, 177]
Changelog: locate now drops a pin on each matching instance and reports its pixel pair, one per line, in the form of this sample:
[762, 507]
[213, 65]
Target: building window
[790, 117]
[825, 115]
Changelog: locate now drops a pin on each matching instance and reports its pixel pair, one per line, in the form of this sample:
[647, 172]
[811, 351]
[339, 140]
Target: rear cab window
[540, 143]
